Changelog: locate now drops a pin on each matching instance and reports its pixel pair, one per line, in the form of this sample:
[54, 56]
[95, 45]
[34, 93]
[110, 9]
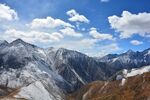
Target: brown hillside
[135, 88]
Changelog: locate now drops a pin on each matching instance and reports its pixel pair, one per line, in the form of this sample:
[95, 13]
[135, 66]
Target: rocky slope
[76, 68]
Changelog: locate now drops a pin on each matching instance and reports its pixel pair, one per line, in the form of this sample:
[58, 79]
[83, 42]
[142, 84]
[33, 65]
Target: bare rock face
[76, 68]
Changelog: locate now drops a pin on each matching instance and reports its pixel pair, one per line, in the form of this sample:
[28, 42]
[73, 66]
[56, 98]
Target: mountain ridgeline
[57, 71]
[127, 60]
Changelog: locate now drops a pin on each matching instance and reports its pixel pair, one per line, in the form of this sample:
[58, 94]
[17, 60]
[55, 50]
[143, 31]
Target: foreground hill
[132, 88]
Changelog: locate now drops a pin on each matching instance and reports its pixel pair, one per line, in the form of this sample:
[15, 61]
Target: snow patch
[77, 76]
[139, 71]
[119, 77]
[114, 59]
[34, 91]
[123, 81]
[125, 71]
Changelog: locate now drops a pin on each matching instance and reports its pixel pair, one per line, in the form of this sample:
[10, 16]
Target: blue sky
[94, 27]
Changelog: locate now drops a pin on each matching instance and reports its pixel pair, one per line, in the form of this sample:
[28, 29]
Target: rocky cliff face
[76, 68]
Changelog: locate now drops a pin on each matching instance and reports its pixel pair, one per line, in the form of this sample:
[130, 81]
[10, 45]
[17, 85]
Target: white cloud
[102, 50]
[88, 46]
[76, 17]
[130, 24]
[101, 36]
[49, 22]
[136, 42]
[89, 43]
[70, 32]
[31, 36]
[79, 45]
[111, 47]
[104, 0]
[107, 49]
[6, 13]
[57, 35]
[41, 33]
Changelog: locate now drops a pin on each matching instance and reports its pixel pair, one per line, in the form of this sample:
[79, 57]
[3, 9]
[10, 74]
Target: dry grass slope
[135, 88]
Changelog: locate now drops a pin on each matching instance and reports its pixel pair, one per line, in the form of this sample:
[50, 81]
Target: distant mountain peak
[62, 49]
[3, 42]
[130, 51]
[147, 50]
[20, 41]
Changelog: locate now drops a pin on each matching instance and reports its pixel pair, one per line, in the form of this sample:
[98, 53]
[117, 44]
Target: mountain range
[27, 70]
[128, 60]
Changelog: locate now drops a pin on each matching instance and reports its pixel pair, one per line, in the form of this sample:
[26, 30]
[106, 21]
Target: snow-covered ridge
[36, 91]
[22, 64]
[138, 71]
[32, 81]
[133, 72]
[127, 60]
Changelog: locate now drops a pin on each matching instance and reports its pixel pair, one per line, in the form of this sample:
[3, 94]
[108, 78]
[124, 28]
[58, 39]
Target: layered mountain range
[27, 70]
[128, 60]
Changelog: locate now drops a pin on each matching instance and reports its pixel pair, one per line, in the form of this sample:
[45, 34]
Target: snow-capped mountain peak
[19, 42]
[3, 42]
[130, 52]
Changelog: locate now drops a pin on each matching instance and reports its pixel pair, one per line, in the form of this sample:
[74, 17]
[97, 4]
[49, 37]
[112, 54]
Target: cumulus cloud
[136, 42]
[130, 24]
[102, 50]
[70, 32]
[89, 43]
[76, 17]
[104, 0]
[7, 14]
[101, 36]
[31, 36]
[107, 49]
[79, 45]
[43, 36]
[48, 22]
